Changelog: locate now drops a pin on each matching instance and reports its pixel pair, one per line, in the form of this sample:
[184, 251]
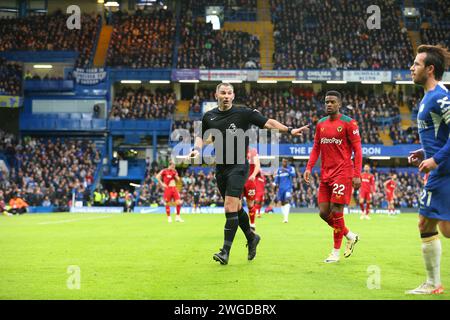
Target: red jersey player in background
[336, 137]
[366, 191]
[389, 187]
[167, 178]
[254, 187]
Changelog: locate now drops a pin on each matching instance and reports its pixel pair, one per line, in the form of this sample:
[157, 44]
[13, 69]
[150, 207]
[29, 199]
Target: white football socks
[285, 209]
[431, 251]
[350, 235]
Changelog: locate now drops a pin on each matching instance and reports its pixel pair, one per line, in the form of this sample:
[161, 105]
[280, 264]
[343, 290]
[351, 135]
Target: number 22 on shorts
[338, 189]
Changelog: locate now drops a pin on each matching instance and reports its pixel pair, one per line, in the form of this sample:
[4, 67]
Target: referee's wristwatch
[290, 130]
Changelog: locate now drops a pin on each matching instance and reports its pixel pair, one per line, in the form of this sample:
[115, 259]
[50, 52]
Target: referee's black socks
[244, 223]
[231, 226]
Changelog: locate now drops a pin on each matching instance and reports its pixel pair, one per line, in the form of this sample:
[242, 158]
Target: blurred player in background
[196, 198]
[433, 122]
[389, 188]
[283, 179]
[168, 179]
[252, 193]
[260, 191]
[366, 191]
[336, 137]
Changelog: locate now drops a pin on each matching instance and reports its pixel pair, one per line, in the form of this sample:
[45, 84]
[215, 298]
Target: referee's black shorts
[231, 179]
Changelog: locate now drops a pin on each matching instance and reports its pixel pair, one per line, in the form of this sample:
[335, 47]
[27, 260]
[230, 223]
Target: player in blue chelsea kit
[283, 179]
[433, 159]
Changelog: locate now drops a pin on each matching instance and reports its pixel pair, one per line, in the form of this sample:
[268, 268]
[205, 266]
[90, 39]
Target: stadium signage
[289, 75]
[401, 150]
[185, 74]
[286, 75]
[446, 77]
[319, 75]
[219, 75]
[289, 150]
[10, 101]
[89, 76]
[367, 75]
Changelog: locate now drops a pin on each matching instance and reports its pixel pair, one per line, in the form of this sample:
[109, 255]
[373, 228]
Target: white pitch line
[73, 220]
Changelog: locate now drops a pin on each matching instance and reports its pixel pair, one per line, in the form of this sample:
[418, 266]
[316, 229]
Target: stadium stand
[10, 77]
[45, 169]
[436, 22]
[142, 40]
[333, 34]
[49, 33]
[202, 47]
[142, 104]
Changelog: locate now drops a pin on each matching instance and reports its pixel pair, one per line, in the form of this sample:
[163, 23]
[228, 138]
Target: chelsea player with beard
[433, 122]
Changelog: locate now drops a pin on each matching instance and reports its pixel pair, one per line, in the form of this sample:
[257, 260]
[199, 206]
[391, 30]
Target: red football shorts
[260, 188]
[389, 196]
[250, 190]
[337, 190]
[171, 193]
[365, 194]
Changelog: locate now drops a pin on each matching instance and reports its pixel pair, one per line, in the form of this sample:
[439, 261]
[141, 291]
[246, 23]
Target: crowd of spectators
[437, 31]
[333, 34]
[45, 171]
[400, 136]
[10, 77]
[437, 34]
[142, 40]
[50, 33]
[142, 104]
[434, 11]
[204, 48]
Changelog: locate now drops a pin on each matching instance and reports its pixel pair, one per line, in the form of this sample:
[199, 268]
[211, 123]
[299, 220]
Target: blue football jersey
[284, 176]
[433, 121]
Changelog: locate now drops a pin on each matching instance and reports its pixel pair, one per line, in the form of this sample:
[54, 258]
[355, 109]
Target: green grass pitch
[141, 256]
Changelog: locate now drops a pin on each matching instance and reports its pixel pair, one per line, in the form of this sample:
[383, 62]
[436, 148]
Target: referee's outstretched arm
[273, 124]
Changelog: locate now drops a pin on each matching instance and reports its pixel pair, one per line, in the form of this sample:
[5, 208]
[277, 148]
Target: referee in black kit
[232, 166]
